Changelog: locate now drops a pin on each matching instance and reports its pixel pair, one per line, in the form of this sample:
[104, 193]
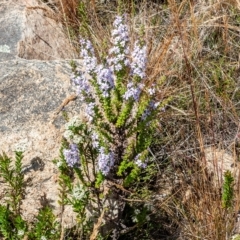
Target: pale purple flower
[114, 50]
[89, 59]
[90, 111]
[118, 67]
[120, 49]
[126, 62]
[71, 155]
[95, 140]
[117, 21]
[154, 105]
[139, 162]
[82, 85]
[133, 91]
[151, 106]
[105, 161]
[139, 60]
[105, 79]
[146, 113]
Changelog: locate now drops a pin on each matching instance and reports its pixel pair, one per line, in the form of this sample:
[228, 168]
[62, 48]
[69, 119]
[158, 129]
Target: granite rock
[31, 92]
[34, 81]
[30, 29]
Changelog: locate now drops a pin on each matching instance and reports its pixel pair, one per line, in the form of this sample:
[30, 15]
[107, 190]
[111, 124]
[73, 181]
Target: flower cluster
[69, 134]
[120, 48]
[89, 59]
[82, 84]
[139, 60]
[90, 111]
[138, 68]
[78, 192]
[80, 78]
[95, 140]
[105, 79]
[74, 122]
[105, 161]
[71, 155]
[133, 91]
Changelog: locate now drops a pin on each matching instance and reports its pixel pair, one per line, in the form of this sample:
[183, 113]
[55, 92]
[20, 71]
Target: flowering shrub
[120, 106]
[110, 145]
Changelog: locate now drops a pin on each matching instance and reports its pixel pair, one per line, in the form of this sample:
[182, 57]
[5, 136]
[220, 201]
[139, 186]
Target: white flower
[134, 219]
[68, 134]
[20, 232]
[59, 164]
[74, 122]
[78, 192]
[151, 91]
[136, 211]
[43, 238]
[77, 139]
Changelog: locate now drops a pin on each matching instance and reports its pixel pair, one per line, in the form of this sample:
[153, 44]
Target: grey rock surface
[30, 29]
[34, 81]
[30, 93]
[11, 27]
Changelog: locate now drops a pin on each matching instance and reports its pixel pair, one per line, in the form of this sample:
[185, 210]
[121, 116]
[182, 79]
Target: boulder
[31, 93]
[34, 82]
[31, 29]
